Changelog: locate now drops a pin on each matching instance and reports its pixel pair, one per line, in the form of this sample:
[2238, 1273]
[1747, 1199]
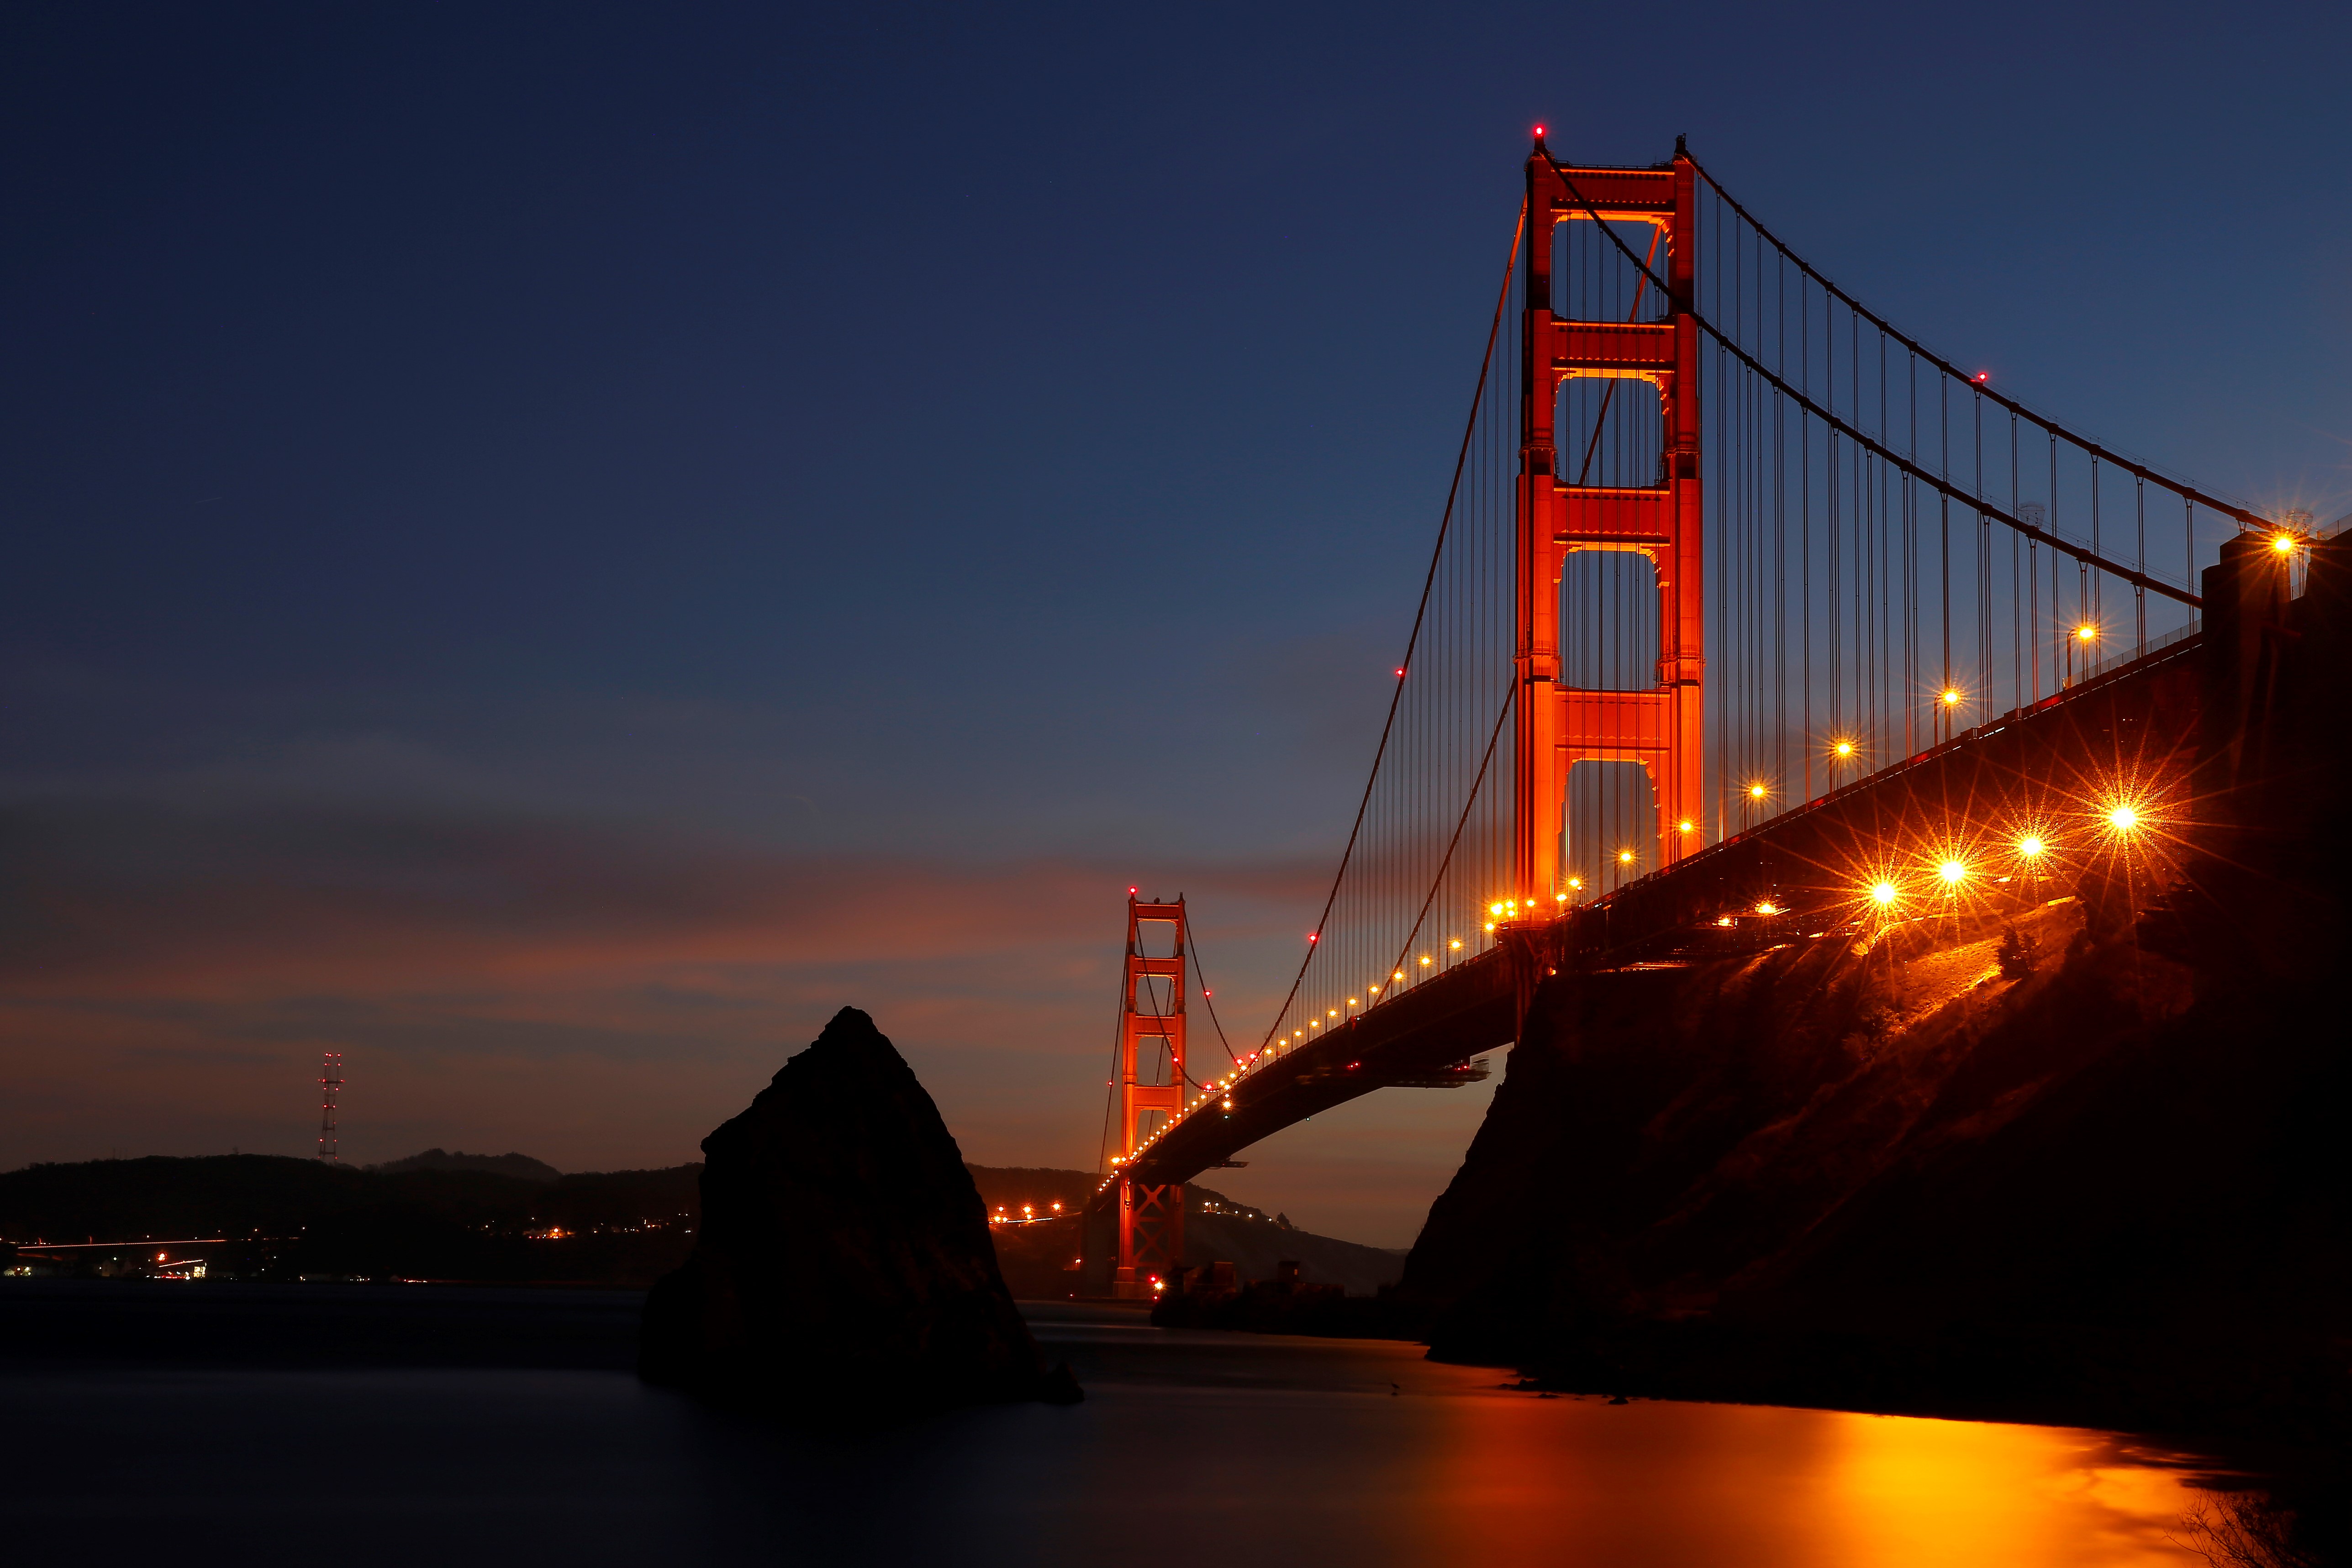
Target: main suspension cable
[1445, 522]
[2179, 487]
[1911, 469]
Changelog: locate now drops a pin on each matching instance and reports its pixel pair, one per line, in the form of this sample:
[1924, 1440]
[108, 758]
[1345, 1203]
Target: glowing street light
[1951, 697]
[1624, 857]
[1953, 873]
[2123, 819]
[1756, 792]
[2087, 632]
[1767, 908]
[1576, 883]
[2285, 543]
[1686, 826]
[1883, 893]
[1842, 749]
[2031, 845]
[1457, 941]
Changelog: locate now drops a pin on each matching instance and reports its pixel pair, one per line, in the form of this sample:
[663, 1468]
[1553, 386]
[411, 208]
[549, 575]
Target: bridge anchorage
[1953, 658]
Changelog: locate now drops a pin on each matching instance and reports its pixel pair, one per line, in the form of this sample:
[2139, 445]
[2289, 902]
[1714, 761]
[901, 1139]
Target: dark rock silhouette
[844, 1262]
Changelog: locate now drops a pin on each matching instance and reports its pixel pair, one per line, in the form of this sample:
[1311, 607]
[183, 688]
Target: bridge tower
[1150, 1037]
[1558, 727]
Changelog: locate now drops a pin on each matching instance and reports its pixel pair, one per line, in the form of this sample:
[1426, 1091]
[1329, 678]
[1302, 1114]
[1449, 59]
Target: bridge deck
[1436, 1024]
[2133, 723]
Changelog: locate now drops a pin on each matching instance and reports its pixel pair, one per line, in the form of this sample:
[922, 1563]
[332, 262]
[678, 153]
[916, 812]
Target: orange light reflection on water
[1520, 1480]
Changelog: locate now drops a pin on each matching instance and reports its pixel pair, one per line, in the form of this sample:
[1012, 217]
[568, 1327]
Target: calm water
[1236, 1449]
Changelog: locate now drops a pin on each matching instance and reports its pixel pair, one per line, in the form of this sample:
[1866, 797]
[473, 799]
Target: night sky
[551, 547]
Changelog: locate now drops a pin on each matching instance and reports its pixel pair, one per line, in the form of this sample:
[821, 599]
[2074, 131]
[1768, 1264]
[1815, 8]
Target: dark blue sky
[550, 547]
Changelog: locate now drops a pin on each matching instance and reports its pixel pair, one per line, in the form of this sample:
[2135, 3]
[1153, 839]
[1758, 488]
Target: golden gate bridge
[1950, 641]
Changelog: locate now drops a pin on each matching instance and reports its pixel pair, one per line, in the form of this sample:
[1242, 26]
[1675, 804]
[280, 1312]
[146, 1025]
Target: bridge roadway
[2054, 768]
[1419, 1036]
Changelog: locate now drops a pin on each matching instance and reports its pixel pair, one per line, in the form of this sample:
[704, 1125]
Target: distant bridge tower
[1150, 1094]
[1560, 726]
[330, 1083]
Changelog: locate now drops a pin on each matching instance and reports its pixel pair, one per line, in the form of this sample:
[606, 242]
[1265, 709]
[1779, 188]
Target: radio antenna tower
[330, 1081]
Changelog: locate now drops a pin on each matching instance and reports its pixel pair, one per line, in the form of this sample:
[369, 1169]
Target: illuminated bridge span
[1749, 616]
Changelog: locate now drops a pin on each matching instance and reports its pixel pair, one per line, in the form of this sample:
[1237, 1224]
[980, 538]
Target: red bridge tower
[1560, 726]
[1150, 1036]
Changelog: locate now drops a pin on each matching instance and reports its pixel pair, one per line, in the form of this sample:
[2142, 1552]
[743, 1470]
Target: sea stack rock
[845, 1261]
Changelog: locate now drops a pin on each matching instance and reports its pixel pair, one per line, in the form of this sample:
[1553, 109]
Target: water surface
[1233, 1449]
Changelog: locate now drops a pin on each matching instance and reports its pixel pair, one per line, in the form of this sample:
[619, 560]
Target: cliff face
[1878, 1167]
[843, 1260]
[1896, 1177]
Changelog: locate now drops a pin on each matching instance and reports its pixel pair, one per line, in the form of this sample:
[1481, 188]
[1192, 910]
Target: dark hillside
[509, 1164]
[157, 1197]
[293, 1219]
[1036, 1257]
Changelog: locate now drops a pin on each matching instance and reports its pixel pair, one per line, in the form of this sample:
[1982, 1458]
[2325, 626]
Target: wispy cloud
[169, 972]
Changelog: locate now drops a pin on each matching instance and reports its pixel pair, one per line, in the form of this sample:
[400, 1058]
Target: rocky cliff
[843, 1261]
[2091, 1172]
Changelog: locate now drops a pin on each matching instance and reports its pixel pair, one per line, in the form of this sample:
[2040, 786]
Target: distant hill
[509, 1218]
[1004, 1188]
[520, 1167]
[1036, 1257]
[281, 1218]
